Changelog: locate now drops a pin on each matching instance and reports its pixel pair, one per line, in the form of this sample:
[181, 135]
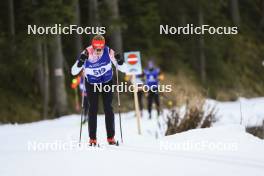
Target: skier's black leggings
[93, 99]
[153, 95]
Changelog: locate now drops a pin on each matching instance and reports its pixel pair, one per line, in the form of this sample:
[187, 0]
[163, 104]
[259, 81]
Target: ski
[116, 144]
[110, 145]
[94, 145]
[113, 144]
[98, 145]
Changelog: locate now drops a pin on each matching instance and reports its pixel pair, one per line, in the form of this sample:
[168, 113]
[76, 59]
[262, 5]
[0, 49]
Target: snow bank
[251, 111]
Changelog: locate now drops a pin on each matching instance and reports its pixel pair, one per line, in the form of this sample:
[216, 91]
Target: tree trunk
[94, 18]
[43, 74]
[234, 7]
[58, 79]
[78, 38]
[114, 26]
[262, 16]
[201, 48]
[46, 82]
[40, 69]
[11, 20]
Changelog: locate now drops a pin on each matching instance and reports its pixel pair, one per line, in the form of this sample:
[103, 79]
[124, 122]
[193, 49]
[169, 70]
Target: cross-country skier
[96, 62]
[151, 74]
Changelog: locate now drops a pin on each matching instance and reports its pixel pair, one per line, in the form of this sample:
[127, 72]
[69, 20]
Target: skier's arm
[118, 61]
[78, 65]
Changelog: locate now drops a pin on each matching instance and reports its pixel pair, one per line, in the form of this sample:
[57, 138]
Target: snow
[50, 147]
[251, 111]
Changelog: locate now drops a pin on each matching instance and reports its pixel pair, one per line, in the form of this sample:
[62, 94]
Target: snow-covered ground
[50, 148]
[249, 111]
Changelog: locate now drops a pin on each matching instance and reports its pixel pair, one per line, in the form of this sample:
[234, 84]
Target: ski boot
[92, 142]
[112, 141]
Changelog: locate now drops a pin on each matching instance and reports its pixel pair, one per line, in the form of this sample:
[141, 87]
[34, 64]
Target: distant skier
[152, 81]
[96, 62]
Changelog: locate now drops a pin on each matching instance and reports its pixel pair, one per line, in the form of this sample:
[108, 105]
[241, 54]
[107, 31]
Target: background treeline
[35, 69]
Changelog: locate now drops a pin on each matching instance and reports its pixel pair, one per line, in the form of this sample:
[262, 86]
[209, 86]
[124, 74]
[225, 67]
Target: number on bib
[99, 72]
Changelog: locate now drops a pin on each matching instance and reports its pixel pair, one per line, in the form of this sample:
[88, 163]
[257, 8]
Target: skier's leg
[157, 102]
[150, 99]
[109, 114]
[92, 110]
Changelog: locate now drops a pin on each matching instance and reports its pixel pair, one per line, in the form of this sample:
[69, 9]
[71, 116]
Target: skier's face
[98, 52]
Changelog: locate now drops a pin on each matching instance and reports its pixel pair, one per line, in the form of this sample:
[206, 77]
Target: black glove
[82, 59]
[119, 59]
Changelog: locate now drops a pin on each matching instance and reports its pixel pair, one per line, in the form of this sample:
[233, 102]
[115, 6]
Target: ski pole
[118, 100]
[82, 111]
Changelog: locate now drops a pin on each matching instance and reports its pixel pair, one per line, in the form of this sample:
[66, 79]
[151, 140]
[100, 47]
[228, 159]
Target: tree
[262, 15]
[114, 25]
[94, 17]
[58, 78]
[11, 20]
[43, 74]
[235, 14]
[78, 38]
[201, 47]
[46, 80]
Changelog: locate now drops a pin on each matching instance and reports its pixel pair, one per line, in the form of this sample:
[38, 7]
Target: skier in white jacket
[95, 62]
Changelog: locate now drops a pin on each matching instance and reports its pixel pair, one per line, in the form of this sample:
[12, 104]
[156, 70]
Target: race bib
[97, 72]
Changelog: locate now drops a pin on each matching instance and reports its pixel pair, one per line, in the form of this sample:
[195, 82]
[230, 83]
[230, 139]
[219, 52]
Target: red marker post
[134, 68]
[132, 59]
